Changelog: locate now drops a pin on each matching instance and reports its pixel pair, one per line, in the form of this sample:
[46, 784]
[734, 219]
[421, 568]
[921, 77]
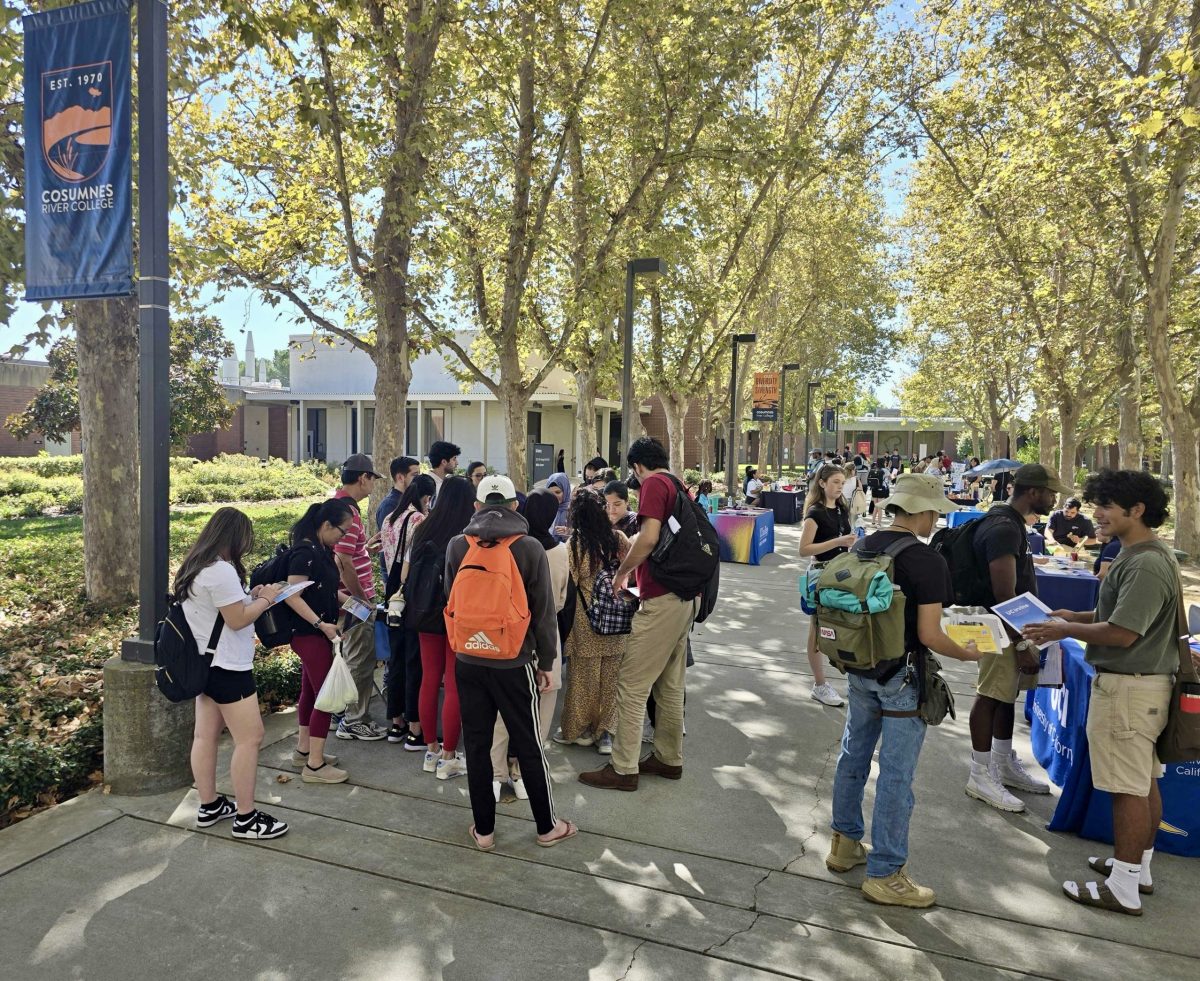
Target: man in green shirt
[1131, 642]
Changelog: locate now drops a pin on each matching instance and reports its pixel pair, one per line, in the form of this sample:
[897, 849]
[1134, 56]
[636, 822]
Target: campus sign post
[79, 246]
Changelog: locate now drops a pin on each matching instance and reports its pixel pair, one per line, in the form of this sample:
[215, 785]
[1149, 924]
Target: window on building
[369, 430]
[410, 434]
[533, 421]
[435, 426]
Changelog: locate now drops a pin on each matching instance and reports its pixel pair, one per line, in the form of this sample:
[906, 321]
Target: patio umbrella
[992, 467]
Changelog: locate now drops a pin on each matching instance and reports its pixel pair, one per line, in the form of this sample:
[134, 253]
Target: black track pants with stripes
[482, 692]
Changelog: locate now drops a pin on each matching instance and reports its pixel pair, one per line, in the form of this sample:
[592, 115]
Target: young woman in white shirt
[211, 583]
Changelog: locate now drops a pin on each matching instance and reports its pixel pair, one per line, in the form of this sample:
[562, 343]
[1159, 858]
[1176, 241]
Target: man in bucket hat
[1002, 553]
[884, 703]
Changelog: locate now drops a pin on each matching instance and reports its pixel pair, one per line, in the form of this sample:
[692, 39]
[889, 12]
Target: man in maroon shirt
[656, 654]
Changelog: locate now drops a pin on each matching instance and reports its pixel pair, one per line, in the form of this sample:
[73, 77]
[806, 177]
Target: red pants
[437, 666]
[316, 658]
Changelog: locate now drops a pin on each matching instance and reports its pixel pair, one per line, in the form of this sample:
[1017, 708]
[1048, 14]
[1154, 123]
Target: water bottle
[860, 527]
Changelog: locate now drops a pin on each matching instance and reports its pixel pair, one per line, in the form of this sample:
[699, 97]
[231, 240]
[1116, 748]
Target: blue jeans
[902, 739]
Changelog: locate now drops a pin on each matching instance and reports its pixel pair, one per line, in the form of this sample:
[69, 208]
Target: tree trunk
[585, 415]
[676, 407]
[1068, 442]
[516, 430]
[1014, 430]
[393, 374]
[1129, 404]
[1045, 439]
[706, 437]
[107, 334]
[1186, 459]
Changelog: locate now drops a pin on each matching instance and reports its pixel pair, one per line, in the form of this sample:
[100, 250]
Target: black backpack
[277, 624]
[181, 670]
[688, 561]
[972, 582]
[425, 590]
[875, 479]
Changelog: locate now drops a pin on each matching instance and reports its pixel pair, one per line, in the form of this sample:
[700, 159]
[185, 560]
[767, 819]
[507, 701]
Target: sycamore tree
[562, 127]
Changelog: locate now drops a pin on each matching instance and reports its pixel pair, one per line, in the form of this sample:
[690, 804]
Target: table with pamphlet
[746, 534]
[1067, 589]
[787, 506]
[1058, 730]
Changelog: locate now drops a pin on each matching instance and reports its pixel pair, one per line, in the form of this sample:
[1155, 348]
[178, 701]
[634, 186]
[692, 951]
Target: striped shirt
[354, 544]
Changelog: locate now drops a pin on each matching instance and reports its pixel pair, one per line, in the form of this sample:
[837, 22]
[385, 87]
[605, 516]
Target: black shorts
[225, 687]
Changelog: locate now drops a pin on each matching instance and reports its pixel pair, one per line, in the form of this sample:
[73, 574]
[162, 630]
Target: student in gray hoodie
[511, 687]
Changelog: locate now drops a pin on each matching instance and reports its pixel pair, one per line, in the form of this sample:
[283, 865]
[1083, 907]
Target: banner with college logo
[78, 167]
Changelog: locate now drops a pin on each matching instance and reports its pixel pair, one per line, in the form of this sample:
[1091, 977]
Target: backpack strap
[215, 637]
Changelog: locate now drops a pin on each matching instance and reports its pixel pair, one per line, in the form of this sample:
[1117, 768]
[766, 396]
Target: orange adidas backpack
[487, 614]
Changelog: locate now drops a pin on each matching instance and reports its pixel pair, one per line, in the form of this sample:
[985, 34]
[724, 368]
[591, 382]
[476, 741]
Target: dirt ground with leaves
[53, 646]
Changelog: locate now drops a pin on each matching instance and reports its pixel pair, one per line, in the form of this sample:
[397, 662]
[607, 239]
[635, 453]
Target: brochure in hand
[291, 589]
[1020, 611]
[359, 609]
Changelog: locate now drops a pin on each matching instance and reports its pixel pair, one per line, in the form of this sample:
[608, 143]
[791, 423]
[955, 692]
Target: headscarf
[541, 509]
[561, 481]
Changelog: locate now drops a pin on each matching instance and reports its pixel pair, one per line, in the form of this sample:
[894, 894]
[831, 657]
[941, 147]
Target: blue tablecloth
[962, 516]
[746, 536]
[1067, 589]
[1058, 721]
[786, 505]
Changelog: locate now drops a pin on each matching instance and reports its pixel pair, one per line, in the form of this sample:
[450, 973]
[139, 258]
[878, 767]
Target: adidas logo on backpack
[481, 642]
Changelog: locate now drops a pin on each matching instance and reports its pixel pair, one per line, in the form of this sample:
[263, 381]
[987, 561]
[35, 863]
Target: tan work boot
[845, 853]
[898, 889]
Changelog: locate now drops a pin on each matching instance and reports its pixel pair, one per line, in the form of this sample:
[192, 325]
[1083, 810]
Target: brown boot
[657, 768]
[609, 779]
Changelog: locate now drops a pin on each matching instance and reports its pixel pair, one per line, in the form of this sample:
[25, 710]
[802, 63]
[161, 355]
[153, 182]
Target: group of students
[470, 712]
[1131, 643]
[502, 708]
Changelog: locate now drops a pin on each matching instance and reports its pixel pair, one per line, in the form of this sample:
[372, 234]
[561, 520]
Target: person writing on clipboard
[656, 654]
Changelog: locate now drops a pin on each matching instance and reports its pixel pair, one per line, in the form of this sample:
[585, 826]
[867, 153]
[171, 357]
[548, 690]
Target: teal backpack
[859, 616]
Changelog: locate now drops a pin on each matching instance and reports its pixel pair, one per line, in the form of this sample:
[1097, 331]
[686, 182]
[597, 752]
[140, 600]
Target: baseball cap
[496, 489]
[1038, 475]
[360, 461]
[917, 492]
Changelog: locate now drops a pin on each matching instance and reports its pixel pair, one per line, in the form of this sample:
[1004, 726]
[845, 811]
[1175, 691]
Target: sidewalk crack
[632, 958]
[812, 811]
[736, 933]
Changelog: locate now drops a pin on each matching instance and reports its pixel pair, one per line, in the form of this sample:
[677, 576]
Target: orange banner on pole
[766, 396]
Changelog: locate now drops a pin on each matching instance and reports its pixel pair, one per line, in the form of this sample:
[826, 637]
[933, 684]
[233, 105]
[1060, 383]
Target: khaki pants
[655, 659]
[1125, 716]
[358, 651]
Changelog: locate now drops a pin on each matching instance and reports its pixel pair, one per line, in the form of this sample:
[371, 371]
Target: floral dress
[593, 661]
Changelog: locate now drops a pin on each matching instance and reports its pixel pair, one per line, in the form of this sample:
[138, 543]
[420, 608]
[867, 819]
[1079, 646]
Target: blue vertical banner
[78, 156]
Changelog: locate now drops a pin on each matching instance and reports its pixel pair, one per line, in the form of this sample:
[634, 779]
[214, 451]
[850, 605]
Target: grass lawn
[53, 646]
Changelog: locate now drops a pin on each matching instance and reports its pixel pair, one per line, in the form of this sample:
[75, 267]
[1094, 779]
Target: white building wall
[558, 428]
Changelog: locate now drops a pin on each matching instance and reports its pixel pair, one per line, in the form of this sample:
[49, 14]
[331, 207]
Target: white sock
[1123, 881]
[1145, 879]
[980, 759]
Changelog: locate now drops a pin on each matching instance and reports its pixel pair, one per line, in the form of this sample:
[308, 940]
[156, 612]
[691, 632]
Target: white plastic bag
[339, 689]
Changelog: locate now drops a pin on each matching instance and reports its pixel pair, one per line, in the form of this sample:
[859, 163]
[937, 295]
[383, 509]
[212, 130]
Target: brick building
[19, 383]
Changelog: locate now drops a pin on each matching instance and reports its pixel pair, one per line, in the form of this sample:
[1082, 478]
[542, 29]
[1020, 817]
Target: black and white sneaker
[218, 810]
[414, 743]
[366, 731]
[260, 825]
[397, 733]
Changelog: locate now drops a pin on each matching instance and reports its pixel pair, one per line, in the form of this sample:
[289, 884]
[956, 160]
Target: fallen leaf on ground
[284, 778]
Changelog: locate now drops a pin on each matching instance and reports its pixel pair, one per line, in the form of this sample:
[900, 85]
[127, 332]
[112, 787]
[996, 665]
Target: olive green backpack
[860, 618]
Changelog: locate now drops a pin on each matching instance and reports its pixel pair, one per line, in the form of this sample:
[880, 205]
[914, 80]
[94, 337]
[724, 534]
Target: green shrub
[277, 674]
[191, 494]
[34, 504]
[691, 477]
[15, 483]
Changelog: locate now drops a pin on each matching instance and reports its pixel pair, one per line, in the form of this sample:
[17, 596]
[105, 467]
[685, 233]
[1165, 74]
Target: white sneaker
[647, 731]
[826, 694]
[456, 767]
[604, 745]
[984, 785]
[1012, 773]
[518, 785]
[431, 761]
[496, 790]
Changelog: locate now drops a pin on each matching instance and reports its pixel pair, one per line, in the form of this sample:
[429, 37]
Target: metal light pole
[837, 421]
[807, 421]
[731, 461]
[635, 267]
[793, 366]
[154, 329]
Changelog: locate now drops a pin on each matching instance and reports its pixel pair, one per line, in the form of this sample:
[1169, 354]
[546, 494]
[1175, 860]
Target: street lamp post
[807, 420]
[635, 267]
[793, 366]
[837, 422]
[730, 452]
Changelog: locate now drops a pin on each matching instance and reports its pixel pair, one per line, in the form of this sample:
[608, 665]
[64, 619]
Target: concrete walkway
[720, 875]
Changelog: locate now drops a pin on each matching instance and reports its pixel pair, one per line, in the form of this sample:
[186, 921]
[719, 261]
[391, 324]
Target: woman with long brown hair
[825, 534]
[210, 584]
